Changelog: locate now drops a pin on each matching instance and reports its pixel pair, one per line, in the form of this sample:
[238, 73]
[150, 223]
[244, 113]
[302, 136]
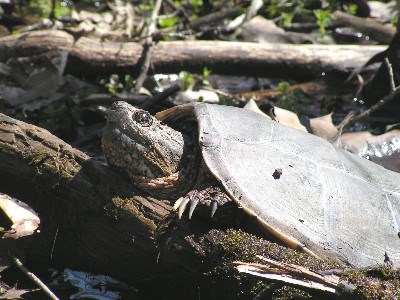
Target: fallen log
[234, 58]
[75, 196]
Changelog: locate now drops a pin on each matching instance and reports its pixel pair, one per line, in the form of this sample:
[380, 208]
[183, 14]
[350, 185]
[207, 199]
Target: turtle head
[137, 143]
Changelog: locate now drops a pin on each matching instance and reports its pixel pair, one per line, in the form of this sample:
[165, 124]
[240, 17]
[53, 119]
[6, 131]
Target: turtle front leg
[211, 196]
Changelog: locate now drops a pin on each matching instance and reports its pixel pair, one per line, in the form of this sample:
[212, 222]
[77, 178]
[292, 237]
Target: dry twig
[148, 49]
[394, 91]
[391, 76]
[34, 278]
[293, 275]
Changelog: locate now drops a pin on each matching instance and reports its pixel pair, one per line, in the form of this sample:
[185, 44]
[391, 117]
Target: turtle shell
[299, 186]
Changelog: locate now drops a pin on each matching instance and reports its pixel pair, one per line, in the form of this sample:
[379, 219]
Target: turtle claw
[178, 203]
[182, 207]
[193, 205]
[214, 206]
[210, 196]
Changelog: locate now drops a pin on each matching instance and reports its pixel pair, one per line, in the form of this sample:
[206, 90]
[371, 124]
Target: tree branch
[276, 60]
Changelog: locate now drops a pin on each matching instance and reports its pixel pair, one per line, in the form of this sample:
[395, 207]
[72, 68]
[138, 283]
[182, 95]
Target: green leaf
[352, 8]
[167, 22]
[206, 72]
[283, 86]
[323, 19]
[287, 18]
[186, 79]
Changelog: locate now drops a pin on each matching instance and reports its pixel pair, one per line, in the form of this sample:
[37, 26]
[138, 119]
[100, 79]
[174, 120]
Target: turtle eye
[143, 118]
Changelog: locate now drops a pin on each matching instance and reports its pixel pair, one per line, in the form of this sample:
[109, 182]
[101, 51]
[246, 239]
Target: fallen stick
[233, 58]
[369, 27]
[34, 278]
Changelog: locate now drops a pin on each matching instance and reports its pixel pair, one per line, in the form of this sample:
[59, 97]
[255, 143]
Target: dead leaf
[25, 220]
[14, 293]
[262, 30]
[283, 116]
[323, 127]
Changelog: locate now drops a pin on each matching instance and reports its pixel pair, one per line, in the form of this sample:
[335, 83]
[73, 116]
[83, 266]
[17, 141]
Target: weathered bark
[81, 203]
[276, 60]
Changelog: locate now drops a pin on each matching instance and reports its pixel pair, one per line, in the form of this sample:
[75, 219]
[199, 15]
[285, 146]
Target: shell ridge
[340, 158]
[325, 206]
[395, 221]
[272, 132]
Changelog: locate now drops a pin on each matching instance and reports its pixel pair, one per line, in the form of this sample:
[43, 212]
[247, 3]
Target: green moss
[246, 246]
[237, 245]
[62, 163]
[375, 283]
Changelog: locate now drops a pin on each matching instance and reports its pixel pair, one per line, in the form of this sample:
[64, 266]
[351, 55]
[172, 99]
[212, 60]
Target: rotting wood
[233, 58]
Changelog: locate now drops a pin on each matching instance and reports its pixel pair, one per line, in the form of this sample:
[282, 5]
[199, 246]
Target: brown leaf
[25, 220]
[283, 116]
[323, 127]
[14, 293]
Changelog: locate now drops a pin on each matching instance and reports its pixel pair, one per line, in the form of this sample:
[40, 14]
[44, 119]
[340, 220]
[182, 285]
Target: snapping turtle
[302, 189]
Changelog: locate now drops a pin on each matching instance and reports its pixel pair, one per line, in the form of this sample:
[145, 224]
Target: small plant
[352, 8]
[287, 18]
[283, 86]
[188, 80]
[295, 100]
[196, 5]
[227, 101]
[327, 104]
[323, 20]
[114, 85]
[167, 22]
[394, 20]
[204, 77]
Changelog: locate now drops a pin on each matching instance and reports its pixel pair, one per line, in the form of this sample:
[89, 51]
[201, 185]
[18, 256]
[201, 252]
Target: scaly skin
[162, 161]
